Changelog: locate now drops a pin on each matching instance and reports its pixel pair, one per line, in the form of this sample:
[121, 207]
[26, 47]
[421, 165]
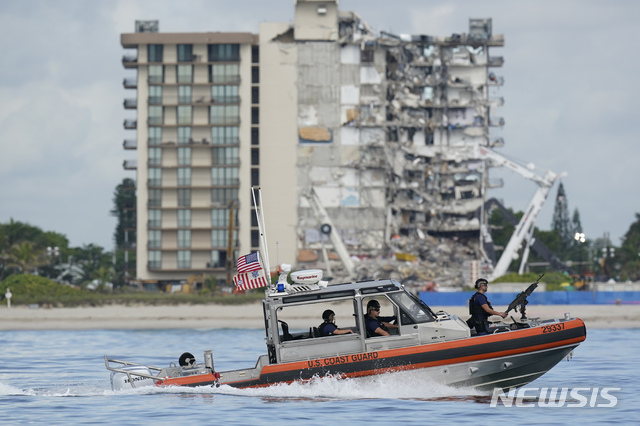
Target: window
[154, 52]
[155, 114]
[184, 176]
[184, 94]
[222, 196]
[156, 73]
[184, 135]
[155, 259]
[184, 198]
[412, 311]
[255, 95]
[223, 52]
[185, 73]
[219, 218]
[155, 157]
[184, 238]
[255, 75]
[218, 259]
[255, 177]
[255, 136]
[155, 239]
[155, 218]
[224, 114]
[184, 156]
[225, 156]
[155, 135]
[255, 157]
[184, 218]
[184, 259]
[366, 56]
[155, 95]
[225, 94]
[255, 54]
[155, 198]
[224, 176]
[224, 135]
[219, 238]
[255, 115]
[185, 53]
[184, 114]
[155, 176]
[224, 73]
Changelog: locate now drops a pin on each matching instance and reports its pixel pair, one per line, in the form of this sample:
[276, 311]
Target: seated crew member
[480, 309]
[329, 327]
[375, 324]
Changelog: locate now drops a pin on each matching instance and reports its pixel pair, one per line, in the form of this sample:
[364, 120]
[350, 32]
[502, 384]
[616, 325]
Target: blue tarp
[537, 298]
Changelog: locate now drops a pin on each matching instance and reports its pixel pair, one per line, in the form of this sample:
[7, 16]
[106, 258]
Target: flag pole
[262, 230]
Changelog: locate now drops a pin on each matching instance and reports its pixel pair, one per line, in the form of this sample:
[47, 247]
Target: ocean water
[59, 377]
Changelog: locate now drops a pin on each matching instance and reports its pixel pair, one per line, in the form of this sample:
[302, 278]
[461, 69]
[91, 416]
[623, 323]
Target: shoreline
[121, 317]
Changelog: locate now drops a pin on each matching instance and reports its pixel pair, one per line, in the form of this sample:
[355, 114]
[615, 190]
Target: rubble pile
[421, 264]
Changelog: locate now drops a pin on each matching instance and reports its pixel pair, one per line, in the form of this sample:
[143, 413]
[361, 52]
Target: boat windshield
[409, 306]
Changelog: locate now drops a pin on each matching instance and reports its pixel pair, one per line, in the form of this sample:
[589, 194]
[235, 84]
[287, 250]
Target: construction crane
[524, 228]
[327, 228]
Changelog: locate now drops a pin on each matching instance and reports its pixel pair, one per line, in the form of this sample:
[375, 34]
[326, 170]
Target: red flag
[253, 279]
[248, 263]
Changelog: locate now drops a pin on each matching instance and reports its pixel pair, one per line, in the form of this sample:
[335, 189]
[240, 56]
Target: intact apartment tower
[379, 128]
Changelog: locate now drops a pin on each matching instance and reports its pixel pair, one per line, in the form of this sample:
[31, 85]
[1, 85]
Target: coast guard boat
[439, 344]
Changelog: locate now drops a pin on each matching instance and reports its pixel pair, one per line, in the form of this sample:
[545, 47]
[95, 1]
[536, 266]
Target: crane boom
[323, 217]
[524, 228]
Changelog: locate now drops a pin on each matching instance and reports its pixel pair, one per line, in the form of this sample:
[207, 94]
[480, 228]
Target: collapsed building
[388, 124]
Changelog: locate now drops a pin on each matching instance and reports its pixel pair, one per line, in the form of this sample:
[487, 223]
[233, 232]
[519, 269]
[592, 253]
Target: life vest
[476, 310]
[479, 316]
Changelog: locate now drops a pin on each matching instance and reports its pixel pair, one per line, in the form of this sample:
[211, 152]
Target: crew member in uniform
[375, 324]
[480, 309]
[329, 327]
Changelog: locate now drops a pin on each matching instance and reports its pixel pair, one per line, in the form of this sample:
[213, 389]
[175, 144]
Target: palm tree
[26, 257]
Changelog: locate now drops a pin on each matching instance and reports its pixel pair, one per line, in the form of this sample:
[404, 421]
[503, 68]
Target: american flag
[248, 280]
[248, 263]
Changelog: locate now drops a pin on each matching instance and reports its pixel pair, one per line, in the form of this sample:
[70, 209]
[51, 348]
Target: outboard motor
[121, 381]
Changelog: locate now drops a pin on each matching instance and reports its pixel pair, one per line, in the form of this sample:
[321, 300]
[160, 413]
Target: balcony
[495, 61]
[495, 80]
[130, 103]
[130, 83]
[496, 122]
[130, 124]
[130, 164]
[130, 144]
[129, 224]
[130, 61]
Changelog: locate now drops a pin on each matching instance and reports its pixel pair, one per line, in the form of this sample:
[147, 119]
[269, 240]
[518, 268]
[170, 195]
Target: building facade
[380, 128]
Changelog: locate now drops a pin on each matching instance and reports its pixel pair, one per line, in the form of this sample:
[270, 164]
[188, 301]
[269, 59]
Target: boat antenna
[261, 228]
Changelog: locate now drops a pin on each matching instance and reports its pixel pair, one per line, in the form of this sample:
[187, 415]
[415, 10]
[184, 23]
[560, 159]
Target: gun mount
[521, 299]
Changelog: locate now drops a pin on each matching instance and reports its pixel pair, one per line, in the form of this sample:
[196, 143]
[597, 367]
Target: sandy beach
[250, 316]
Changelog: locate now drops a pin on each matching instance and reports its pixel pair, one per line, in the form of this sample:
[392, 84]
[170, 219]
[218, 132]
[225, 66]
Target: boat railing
[108, 360]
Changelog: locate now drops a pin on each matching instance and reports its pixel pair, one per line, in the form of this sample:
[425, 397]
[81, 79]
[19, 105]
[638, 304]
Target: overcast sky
[571, 98]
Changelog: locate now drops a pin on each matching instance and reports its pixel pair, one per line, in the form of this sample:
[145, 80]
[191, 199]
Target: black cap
[373, 303]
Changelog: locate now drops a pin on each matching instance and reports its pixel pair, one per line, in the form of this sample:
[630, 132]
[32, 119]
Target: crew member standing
[480, 309]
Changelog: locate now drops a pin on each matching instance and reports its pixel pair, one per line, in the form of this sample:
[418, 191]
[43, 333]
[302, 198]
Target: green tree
[560, 223]
[26, 257]
[630, 252]
[124, 203]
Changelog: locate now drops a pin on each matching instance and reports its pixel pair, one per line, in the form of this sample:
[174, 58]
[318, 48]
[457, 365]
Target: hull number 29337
[552, 328]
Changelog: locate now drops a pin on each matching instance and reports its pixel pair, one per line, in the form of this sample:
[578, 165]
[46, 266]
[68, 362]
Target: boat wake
[410, 385]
